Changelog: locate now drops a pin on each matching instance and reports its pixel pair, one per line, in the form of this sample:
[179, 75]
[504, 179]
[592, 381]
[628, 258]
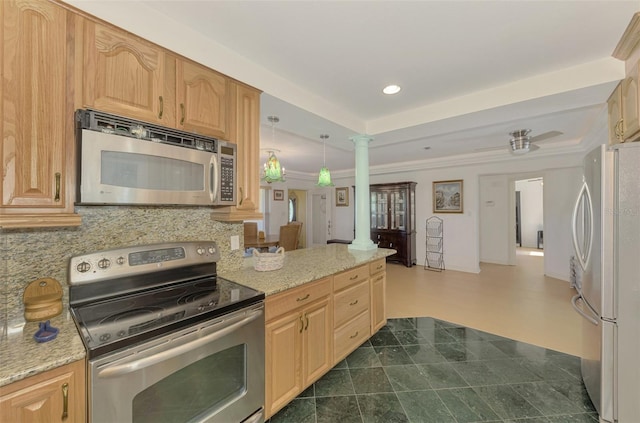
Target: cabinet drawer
[350, 277]
[377, 266]
[291, 299]
[350, 302]
[350, 336]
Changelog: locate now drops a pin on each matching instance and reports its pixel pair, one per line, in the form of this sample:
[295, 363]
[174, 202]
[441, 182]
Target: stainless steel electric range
[167, 339]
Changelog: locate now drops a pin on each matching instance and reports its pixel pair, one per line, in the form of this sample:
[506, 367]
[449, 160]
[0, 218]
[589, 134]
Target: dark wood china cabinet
[393, 219]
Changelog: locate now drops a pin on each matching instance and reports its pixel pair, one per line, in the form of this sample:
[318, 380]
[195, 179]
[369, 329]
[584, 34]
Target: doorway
[498, 222]
[529, 216]
[321, 203]
[297, 212]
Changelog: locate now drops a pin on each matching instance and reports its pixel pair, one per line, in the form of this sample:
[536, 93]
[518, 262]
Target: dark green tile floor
[427, 370]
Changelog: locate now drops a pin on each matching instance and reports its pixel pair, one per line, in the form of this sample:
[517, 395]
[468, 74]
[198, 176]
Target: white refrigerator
[606, 238]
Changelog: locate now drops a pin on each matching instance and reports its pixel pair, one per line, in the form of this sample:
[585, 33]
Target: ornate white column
[363, 215]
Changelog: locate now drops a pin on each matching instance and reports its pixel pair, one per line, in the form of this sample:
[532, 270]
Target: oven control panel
[109, 264]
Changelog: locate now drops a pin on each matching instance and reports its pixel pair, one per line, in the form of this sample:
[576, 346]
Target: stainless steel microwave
[124, 161]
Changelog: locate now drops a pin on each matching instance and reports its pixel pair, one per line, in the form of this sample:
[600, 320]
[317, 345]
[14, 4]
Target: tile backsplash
[31, 254]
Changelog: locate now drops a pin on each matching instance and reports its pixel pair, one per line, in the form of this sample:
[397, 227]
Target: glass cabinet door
[398, 210]
[379, 210]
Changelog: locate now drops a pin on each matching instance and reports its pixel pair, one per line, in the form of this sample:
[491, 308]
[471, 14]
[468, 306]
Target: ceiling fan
[522, 143]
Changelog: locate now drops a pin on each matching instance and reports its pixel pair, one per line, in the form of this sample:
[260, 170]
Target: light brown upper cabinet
[37, 119]
[630, 124]
[614, 104]
[124, 74]
[627, 128]
[201, 100]
[244, 125]
[128, 76]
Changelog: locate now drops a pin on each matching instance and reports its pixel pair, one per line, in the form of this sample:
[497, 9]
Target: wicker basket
[265, 262]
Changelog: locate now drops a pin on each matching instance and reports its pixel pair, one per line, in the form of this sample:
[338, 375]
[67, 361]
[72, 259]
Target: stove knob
[212, 250]
[83, 267]
[121, 333]
[200, 251]
[105, 337]
[104, 263]
[120, 260]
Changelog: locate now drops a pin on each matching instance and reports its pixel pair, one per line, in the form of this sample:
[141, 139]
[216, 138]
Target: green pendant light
[273, 172]
[324, 177]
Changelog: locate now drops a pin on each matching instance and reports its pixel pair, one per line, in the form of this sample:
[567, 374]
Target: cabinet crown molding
[629, 40]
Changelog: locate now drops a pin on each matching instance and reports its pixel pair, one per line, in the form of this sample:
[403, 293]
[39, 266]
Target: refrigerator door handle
[583, 251]
[574, 303]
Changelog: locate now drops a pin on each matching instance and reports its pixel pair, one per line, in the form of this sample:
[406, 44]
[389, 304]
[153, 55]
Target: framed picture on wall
[278, 194]
[448, 196]
[342, 197]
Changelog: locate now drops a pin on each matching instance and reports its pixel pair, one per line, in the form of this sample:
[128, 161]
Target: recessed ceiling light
[427, 148]
[391, 89]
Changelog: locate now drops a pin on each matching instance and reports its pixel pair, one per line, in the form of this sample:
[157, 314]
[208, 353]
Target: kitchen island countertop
[304, 265]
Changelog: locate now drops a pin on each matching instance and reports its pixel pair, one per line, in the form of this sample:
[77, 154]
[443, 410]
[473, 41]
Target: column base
[363, 245]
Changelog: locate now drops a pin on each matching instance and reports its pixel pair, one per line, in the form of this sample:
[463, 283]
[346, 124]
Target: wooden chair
[250, 229]
[289, 236]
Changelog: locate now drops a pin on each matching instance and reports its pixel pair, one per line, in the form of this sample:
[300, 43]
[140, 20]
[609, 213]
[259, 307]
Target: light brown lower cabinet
[378, 294]
[57, 395]
[298, 340]
[310, 328]
[352, 321]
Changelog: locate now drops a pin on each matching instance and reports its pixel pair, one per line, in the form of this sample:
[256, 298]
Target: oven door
[210, 372]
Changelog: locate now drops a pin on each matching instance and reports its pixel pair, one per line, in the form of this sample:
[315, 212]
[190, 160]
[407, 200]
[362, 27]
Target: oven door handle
[230, 326]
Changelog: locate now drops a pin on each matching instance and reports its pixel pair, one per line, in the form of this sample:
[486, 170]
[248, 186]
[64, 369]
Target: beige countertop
[305, 265]
[21, 356]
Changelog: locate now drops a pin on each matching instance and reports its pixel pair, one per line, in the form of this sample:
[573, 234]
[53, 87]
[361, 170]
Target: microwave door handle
[213, 179]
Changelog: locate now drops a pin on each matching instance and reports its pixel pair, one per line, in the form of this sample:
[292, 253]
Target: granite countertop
[21, 356]
[305, 265]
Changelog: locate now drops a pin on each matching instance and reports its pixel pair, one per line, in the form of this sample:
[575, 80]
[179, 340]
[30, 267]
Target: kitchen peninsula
[320, 306]
[329, 290]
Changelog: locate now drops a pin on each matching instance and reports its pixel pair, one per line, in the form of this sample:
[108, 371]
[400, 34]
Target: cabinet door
[317, 341]
[614, 104]
[124, 75]
[378, 301]
[283, 360]
[202, 99]
[630, 108]
[379, 212]
[398, 210]
[37, 120]
[53, 396]
[244, 130]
